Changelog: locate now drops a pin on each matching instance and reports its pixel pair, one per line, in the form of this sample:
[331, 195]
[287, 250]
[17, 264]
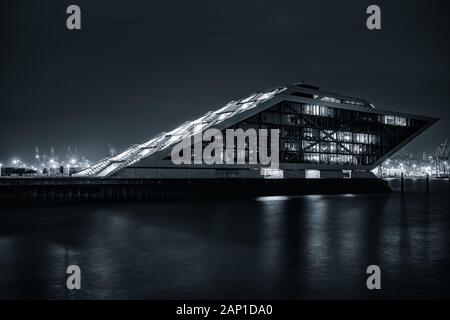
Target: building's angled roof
[162, 141]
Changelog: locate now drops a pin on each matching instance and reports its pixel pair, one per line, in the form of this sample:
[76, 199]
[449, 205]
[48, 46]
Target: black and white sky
[140, 67]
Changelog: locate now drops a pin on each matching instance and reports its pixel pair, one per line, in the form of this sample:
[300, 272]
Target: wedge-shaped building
[321, 135]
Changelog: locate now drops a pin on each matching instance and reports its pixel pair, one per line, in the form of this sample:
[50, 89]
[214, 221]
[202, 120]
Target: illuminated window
[328, 135]
[311, 146]
[291, 146]
[310, 133]
[328, 147]
[312, 158]
[327, 158]
[270, 173]
[361, 137]
[331, 99]
[400, 121]
[397, 121]
[312, 174]
[344, 136]
[312, 109]
[326, 112]
[344, 147]
[389, 120]
[317, 110]
[293, 119]
[358, 149]
[345, 159]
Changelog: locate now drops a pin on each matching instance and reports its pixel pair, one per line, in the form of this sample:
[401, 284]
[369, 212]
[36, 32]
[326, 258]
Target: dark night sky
[140, 67]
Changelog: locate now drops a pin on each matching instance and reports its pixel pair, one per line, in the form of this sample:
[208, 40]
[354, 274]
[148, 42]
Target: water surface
[306, 247]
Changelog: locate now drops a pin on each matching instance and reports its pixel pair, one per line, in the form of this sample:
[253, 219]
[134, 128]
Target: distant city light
[45, 165]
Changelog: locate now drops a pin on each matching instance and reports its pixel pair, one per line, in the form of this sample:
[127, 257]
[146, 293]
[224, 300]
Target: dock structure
[21, 190]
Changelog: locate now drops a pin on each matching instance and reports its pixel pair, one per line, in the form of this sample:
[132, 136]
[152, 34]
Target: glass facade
[315, 134]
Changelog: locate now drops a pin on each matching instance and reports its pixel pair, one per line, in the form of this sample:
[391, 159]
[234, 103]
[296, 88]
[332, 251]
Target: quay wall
[98, 189]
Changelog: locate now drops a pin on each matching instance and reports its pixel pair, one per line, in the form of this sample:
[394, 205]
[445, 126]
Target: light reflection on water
[273, 247]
